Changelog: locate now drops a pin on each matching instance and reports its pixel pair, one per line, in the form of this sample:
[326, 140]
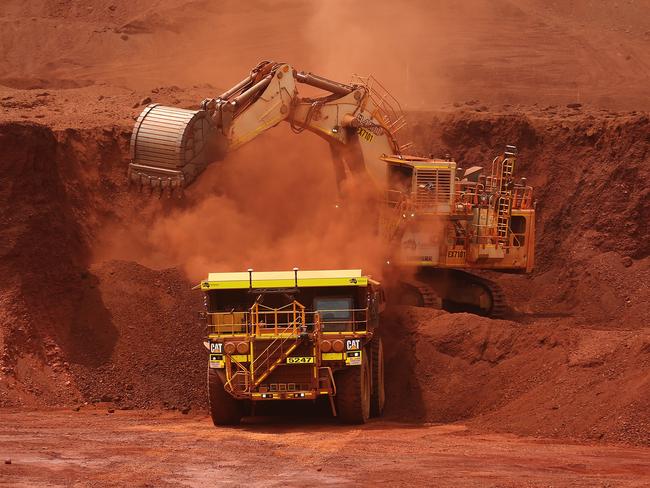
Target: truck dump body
[290, 335]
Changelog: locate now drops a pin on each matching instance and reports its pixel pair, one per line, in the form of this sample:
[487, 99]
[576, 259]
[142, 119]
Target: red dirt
[95, 300]
[63, 448]
[544, 378]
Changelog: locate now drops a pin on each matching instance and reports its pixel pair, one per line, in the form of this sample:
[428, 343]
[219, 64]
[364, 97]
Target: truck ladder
[283, 327]
[263, 365]
[244, 379]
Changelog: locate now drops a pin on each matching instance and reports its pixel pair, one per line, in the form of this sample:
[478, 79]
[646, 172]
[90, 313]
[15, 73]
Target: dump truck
[297, 335]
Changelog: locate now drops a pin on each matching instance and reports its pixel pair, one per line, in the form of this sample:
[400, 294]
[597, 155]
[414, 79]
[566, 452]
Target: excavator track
[459, 291]
[428, 297]
[497, 300]
[499, 306]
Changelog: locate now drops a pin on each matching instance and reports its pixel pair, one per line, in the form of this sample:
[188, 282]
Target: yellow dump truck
[294, 335]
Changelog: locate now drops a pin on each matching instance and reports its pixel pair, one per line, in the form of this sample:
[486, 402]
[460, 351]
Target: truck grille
[434, 189]
[299, 375]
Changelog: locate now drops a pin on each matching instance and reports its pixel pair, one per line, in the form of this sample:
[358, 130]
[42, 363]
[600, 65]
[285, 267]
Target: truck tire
[224, 409]
[378, 394]
[353, 392]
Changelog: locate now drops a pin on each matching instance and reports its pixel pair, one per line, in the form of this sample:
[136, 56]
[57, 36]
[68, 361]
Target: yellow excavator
[440, 224]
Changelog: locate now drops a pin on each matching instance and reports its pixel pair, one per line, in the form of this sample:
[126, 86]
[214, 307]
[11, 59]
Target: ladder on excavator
[505, 170]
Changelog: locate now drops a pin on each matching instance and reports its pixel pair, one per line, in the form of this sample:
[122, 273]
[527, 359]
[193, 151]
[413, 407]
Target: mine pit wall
[54, 193]
[72, 331]
[590, 174]
[589, 170]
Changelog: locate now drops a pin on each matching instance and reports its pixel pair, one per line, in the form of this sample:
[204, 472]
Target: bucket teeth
[166, 187]
[146, 185]
[157, 185]
[143, 183]
[180, 191]
[177, 186]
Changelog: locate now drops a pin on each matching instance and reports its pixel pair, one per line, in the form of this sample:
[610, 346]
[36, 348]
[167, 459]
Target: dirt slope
[545, 378]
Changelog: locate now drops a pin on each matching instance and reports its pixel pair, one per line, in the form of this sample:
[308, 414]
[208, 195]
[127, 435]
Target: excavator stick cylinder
[258, 87]
[323, 83]
[227, 94]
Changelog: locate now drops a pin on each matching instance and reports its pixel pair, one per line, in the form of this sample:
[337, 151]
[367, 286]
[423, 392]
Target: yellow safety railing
[357, 322]
[288, 319]
[284, 326]
[522, 197]
[259, 320]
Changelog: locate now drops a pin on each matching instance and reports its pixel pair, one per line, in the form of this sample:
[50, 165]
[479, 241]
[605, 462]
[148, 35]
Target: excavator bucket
[169, 147]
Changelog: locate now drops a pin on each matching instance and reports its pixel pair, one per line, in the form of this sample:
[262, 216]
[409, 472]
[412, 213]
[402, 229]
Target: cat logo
[353, 344]
[216, 347]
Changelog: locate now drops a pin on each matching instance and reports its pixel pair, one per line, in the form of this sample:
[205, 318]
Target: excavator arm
[170, 147]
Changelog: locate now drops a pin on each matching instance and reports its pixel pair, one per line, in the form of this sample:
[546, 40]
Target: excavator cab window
[399, 182]
[518, 229]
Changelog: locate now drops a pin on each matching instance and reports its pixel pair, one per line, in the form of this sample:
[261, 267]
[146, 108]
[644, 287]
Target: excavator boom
[170, 147]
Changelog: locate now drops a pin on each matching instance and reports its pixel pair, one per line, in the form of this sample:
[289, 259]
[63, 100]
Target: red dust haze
[270, 205]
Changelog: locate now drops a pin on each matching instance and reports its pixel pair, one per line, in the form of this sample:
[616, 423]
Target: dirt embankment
[71, 332]
[572, 362]
[546, 378]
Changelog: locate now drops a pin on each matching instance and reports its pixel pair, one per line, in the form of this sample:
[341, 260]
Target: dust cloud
[273, 203]
[401, 45]
[397, 43]
[270, 205]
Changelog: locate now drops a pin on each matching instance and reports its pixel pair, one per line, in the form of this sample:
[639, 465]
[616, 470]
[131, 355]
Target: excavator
[442, 225]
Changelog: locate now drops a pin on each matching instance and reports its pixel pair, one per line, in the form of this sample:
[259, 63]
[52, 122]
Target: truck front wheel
[224, 409]
[378, 395]
[353, 392]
